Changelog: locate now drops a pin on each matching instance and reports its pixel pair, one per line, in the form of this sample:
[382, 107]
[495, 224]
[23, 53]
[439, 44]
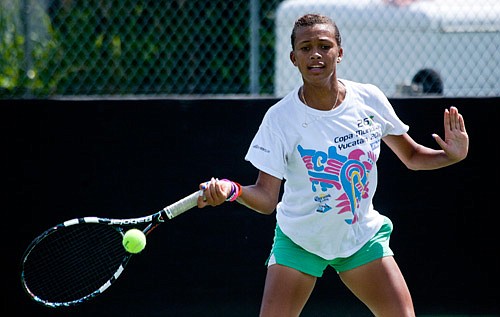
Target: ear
[341, 54]
[292, 58]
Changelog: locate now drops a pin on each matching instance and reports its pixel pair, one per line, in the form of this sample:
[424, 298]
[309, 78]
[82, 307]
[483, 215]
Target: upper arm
[404, 147]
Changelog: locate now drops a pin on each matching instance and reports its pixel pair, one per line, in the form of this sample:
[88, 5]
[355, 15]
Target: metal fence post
[254, 47]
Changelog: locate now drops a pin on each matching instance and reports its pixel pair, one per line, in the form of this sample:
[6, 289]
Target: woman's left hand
[456, 140]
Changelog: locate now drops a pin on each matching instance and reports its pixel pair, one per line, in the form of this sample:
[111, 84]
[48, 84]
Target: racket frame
[151, 221]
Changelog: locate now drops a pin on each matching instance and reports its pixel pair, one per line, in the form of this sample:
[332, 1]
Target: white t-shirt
[328, 161]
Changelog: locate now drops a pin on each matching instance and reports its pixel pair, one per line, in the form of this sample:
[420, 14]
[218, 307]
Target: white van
[388, 45]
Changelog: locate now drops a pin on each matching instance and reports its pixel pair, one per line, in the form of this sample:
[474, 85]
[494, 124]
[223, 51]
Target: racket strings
[73, 262]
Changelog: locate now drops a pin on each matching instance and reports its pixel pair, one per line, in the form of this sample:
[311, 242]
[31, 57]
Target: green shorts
[286, 252]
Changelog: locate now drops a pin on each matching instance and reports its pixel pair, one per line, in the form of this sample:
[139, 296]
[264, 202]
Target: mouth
[316, 69]
[319, 66]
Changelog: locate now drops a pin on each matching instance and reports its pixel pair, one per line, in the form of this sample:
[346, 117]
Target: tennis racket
[79, 259]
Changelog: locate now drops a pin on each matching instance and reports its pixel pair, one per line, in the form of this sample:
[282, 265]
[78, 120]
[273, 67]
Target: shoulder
[364, 90]
[366, 94]
[283, 107]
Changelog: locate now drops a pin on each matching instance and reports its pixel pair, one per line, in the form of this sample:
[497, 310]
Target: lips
[316, 66]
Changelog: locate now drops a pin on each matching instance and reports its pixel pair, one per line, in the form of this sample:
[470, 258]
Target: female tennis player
[323, 140]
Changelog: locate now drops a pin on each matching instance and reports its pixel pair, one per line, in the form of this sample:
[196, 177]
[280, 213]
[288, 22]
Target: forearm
[419, 157]
[425, 158]
[258, 199]
[261, 197]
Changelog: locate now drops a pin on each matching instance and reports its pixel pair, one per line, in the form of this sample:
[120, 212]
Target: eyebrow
[321, 40]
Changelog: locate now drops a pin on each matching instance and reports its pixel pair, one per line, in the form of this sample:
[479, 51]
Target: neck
[322, 99]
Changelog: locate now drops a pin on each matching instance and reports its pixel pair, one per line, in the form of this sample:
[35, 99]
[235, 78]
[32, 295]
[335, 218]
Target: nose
[315, 55]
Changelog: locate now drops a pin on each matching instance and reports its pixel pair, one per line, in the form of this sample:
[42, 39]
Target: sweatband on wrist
[235, 190]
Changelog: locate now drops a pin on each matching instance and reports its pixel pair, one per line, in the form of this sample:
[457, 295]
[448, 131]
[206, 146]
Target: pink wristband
[235, 190]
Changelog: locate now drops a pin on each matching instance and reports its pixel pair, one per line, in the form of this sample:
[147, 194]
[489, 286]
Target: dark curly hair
[313, 19]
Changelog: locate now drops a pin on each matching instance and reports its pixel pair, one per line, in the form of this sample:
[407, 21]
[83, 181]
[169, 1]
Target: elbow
[268, 208]
[264, 209]
[267, 211]
[412, 167]
[271, 205]
[415, 166]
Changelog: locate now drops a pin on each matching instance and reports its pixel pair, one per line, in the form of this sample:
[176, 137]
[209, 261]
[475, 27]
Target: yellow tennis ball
[134, 241]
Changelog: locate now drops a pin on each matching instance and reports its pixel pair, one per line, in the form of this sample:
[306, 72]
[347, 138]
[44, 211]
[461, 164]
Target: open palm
[456, 140]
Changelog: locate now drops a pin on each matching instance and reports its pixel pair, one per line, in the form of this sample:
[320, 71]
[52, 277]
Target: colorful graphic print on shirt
[347, 174]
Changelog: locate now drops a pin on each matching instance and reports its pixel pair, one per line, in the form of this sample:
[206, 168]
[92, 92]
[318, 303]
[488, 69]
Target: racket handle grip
[182, 205]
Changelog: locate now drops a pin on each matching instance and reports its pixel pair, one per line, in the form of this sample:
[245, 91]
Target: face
[316, 52]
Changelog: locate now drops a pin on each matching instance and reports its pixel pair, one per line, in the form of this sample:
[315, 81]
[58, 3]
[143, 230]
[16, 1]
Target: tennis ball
[134, 241]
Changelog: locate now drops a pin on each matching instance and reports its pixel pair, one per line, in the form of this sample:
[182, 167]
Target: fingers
[455, 140]
[439, 141]
[447, 120]
[453, 119]
[213, 193]
[461, 123]
[202, 200]
[453, 114]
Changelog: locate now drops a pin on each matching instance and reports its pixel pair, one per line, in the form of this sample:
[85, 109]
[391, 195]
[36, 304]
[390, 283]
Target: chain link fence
[241, 47]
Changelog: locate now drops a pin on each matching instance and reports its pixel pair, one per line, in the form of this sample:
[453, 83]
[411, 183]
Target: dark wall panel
[125, 158]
